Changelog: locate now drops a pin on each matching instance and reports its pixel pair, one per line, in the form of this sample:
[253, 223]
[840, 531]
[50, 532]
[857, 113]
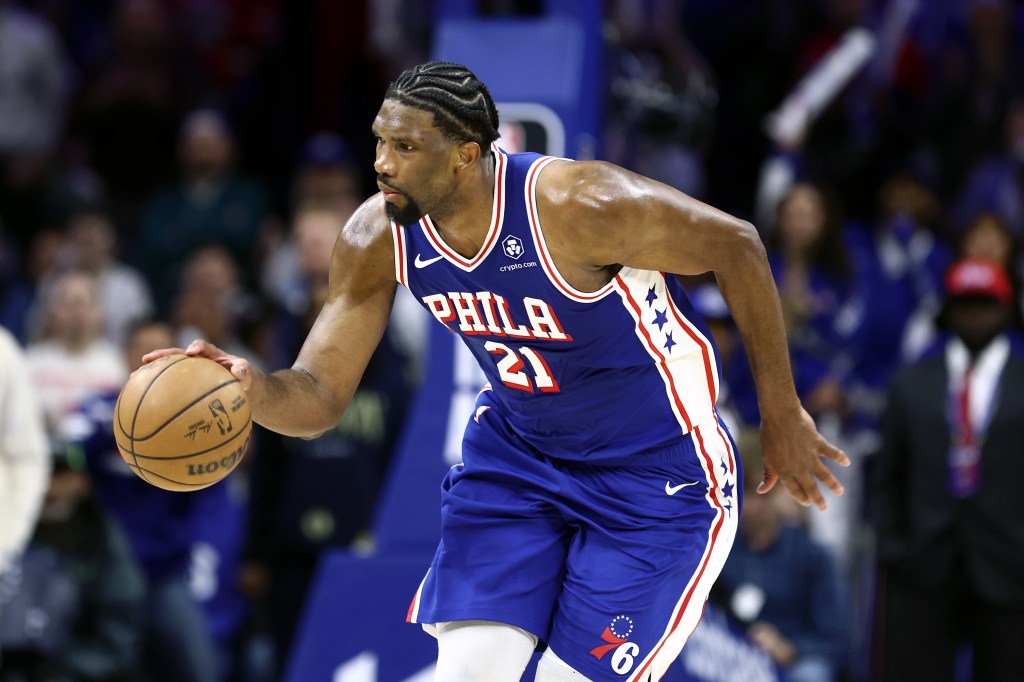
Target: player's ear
[469, 154]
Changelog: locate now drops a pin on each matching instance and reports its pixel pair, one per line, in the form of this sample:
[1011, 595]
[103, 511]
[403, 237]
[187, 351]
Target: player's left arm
[612, 216]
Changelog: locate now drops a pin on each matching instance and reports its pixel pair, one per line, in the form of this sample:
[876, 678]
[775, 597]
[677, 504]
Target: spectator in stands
[16, 291]
[211, 301]
[124, 293]
[945, 493]
[994, 183]
[990, 238]
[784, 586]
[974, 86]
[72, 359]
[814, 279]
[32, 81]
[83, 591]
[161, 528]
[311, 495]
[211, 204]
[131, 103]
[900, 262]
[327, 176]
[24, 451]
[661, 95]
[315, 229]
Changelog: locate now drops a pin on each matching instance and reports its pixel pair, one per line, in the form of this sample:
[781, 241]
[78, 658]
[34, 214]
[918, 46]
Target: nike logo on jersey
[673, 489]
[421, 263]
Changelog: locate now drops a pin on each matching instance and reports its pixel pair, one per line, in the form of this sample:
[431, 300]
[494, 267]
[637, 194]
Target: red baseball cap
[979, 277]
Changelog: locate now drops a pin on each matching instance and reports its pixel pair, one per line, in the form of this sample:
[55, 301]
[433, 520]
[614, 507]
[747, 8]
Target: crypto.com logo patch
[513, 247]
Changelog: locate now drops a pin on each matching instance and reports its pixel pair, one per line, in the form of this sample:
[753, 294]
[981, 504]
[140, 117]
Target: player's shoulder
[369, 220]
[566, 175]
[366, 243]
[586, 189]
[566, 180]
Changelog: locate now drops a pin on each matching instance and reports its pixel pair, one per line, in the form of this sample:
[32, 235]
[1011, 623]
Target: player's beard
[409, 215]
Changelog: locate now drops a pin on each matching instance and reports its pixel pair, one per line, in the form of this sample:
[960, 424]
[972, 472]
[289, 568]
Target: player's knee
[551, 668]
[482, 651]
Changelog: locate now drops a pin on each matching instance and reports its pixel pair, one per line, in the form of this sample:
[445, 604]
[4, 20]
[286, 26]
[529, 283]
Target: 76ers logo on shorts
[513, 247]
[617, 637]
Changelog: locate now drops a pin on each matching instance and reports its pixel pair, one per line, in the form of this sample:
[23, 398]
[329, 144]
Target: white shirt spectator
[62, 378]
[32, 91]
[24, 451]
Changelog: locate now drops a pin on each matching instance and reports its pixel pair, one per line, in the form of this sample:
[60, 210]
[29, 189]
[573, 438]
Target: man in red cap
[945, 493]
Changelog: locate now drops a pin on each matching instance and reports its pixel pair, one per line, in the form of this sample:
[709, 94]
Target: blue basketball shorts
[609, 565]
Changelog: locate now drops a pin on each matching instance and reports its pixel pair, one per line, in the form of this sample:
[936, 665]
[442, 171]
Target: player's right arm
[309, 399]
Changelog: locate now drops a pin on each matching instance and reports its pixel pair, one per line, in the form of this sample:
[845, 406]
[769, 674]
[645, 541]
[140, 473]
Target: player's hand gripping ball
[182, 422]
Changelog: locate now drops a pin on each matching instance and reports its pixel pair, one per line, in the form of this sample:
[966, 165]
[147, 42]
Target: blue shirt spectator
[163, 529]
[785, 586]
[899, 265]
[211, 204]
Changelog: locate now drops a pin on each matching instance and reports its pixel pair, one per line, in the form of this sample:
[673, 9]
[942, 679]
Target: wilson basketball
[182, 422]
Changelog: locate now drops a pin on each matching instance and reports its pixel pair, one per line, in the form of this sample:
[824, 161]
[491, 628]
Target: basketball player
[599, 493]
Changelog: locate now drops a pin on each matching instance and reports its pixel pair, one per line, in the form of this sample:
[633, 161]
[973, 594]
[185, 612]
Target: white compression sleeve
[550, 668]
[482, 651]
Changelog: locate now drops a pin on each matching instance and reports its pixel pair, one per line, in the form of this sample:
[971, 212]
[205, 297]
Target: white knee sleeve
[482, 651]
[550, 668]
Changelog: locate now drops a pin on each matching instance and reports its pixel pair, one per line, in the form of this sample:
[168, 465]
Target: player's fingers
[833, 453]
[824, 475]
[242, 371]
[797, 491]
[767, 481]
[159, 353]
[814, 495]
[203, 348]
[208, 350]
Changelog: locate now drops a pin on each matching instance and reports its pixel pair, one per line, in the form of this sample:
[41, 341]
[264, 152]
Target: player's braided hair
[462, 106]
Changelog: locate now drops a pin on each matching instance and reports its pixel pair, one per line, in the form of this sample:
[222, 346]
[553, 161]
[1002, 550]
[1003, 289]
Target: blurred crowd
[178, 169]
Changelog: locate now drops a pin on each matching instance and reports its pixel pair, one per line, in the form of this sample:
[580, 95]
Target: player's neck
[465, 221]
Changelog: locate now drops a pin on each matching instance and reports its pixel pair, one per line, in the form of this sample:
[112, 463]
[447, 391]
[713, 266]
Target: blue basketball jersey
[590, 376]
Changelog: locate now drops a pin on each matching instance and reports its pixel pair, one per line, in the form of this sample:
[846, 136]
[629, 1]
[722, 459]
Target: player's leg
[653, 540]
[482, 651]
[501, 557]
[551, 668]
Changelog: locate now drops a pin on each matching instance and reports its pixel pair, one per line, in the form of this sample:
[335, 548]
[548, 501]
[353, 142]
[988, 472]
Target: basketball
[182, 422]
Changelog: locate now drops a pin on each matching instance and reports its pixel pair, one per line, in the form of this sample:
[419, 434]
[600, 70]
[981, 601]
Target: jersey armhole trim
[493, 232]
[401, 255]
[546, 261]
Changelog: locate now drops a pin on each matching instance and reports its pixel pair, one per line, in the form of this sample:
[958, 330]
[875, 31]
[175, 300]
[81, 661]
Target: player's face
[415, 162]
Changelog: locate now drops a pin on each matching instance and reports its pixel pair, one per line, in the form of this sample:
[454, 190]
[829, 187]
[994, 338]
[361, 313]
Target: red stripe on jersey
[400, 259]
[704, 350]
[654, 347]
[414, 606]
[497, 217]
[728, 445]
[542, 250]
[704, 560]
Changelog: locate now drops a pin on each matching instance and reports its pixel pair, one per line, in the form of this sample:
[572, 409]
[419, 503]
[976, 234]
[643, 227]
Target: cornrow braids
[462, 106]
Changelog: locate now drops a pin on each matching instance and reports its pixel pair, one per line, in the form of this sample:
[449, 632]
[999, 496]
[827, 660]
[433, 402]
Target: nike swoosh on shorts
[673, 489]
